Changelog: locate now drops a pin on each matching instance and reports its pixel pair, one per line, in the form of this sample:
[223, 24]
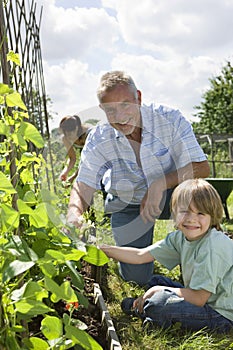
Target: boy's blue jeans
[165, 308]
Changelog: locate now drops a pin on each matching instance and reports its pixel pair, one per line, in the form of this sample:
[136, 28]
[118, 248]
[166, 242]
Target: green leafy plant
[216, 109]
[36, 256]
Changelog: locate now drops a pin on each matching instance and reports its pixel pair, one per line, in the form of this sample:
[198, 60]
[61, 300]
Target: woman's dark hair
[69, 123]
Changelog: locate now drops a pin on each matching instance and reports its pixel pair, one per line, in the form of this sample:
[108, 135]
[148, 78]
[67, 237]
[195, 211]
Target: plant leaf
[32, 307]
[5, 184]
[65, 291]
[15, 268]
[30, 198]
[14, 100]
[26, 176]
[48, 269]
[4, 128]
[9, 217]
[95, 256]
[82, 338]
[31, 133]
[5, 89]
[31, 290]
[51, 327]
[34, 343]
[39, 218]
[24, 208]
[13, 57]
[77, 278]
[52, 214]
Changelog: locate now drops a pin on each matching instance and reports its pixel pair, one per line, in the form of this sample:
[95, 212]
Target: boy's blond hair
[204, 197]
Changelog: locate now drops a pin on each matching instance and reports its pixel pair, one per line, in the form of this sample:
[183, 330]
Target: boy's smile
[192, 223]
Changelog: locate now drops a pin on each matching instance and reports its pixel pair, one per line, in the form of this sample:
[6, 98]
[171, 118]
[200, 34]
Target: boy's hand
[139, 302]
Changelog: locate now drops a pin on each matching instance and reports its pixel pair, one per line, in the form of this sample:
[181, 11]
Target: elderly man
[142, 153]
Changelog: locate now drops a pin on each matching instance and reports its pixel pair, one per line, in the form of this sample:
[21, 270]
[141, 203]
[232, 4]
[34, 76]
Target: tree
[216, 109]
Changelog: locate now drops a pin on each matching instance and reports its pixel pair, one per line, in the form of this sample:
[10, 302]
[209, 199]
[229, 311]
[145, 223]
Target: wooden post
[230, 149]
[230, 143]
[6, 80]
[3, 48]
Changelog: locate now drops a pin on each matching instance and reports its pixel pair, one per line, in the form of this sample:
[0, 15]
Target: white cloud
[177, 82]
[186, 26]
[72, 87]
[75, 33]
[171, 48]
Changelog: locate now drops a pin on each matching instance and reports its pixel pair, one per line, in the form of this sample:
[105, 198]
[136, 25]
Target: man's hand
[150, 203]
[73, 219]
[80, 198]
[149, 209]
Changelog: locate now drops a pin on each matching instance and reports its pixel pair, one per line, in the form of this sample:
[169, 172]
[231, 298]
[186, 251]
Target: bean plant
[36, 253]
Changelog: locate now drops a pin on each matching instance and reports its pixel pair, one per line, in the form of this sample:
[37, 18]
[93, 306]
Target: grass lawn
[129, 328]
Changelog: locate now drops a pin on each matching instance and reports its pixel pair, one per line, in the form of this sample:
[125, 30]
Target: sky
[171, 48]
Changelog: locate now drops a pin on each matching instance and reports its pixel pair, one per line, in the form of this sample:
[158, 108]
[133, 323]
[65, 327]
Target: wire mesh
[20, 22]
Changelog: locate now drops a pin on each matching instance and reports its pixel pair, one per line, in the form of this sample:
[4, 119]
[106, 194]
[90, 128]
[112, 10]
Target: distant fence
[215, 142]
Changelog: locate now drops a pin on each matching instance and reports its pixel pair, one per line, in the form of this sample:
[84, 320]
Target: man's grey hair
[111, 79]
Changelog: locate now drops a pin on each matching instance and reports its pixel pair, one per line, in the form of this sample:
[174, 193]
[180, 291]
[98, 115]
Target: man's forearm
[191, 170]
[150, 209]
[80, 199]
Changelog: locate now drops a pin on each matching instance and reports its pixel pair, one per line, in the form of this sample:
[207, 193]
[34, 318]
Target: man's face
[122, 108]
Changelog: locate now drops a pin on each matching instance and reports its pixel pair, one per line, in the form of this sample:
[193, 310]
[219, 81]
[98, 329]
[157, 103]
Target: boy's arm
[128, 254]
[193, 296]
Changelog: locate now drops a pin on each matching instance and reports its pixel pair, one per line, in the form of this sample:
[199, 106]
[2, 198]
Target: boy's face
[192, 223]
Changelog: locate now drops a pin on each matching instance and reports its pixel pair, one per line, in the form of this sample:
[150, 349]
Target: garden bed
[97, 317]
[111, 338]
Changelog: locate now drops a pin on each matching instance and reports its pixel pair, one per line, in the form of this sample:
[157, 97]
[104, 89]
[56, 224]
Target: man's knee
[139, 274]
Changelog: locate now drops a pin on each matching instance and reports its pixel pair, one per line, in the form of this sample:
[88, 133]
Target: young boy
[205, 254]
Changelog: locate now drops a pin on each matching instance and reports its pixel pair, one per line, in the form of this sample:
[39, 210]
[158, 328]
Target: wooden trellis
[20, 32]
